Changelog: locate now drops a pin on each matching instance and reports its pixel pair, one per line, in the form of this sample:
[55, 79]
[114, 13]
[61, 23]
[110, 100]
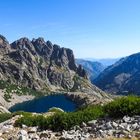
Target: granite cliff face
[41, 65]
[121, 78]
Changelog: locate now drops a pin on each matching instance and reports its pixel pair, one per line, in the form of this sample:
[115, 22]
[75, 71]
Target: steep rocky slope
[43, 66]
[93, 68]
[123, 77]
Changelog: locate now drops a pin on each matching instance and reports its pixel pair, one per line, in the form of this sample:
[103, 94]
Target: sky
[91, 28]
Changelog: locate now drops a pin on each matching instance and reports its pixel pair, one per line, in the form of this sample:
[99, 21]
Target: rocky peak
[3, 40]
[39, 44]
[49, 44]
[22, 44]
[4, 45]
[47, 50]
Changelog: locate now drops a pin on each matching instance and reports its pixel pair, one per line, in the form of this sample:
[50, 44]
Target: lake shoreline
[44, 103]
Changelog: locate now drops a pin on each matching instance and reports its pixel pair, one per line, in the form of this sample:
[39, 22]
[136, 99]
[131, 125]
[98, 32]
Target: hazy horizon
[91, 28]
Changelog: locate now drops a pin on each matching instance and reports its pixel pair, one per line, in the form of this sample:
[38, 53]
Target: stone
[129, 136]
[108, 125]
[23, 132]
[128, 128]
[83, 124]
[134, 126]
[102, 133]
[110, 132]
[77, 128]
[115, 125]
[34, 136]
[124, 125]
[22, 138]
[91, 123]
[24, 126]
[126, 119]
[6, 128]
[43, 135]
[32, 130]
[58, 134]
[22, 135]
[124, 132]
[0, 134]
[56, 108]
[71, 132]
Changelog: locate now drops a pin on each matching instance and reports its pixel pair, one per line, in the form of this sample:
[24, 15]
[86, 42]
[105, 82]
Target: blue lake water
[43, 104]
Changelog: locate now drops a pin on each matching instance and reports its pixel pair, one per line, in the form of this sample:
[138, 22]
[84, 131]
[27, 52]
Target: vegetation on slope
[60, 121]
[5, 116]
[9, 89]
[116, 109]
[129, 105]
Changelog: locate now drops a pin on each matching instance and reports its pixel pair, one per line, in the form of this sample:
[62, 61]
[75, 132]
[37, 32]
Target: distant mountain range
[123, 77]
[105, 61]
[93, 68]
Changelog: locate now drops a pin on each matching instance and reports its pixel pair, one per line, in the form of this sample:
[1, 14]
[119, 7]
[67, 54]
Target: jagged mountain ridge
[43, 66]
[93, 68]
[121, 78]
[24, 60]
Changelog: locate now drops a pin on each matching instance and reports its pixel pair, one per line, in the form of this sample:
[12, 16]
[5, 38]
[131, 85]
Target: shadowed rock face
[38, 64]
[123, 77]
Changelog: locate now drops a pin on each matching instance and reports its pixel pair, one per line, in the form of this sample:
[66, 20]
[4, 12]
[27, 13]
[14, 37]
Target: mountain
[43, 66]
[121, 78]
[104, 61]
[93, 68]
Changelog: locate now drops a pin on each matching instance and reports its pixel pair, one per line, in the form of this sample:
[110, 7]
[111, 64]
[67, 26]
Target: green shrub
[123, 106]
[37, 120]
[25, 114]
[5, 116]
[60, 121]
[2, 84]
[7, 97]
